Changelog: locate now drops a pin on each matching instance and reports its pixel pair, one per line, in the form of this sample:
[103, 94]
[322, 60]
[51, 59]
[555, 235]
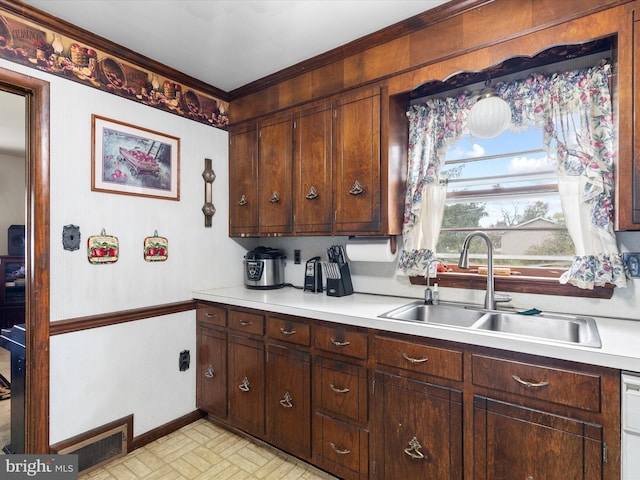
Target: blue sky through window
[522, 163]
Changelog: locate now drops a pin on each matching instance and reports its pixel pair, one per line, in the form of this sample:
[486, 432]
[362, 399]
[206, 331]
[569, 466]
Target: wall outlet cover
[184, 360]
[633, 263]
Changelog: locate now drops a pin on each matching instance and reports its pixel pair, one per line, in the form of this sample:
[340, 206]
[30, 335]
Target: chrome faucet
[490, 298]
[428, 293]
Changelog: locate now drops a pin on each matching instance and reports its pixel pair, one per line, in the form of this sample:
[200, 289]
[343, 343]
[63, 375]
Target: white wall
[103, 374]
[12, 196]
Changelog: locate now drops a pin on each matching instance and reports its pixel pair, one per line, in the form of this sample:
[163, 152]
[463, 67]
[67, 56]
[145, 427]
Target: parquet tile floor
[203, 451]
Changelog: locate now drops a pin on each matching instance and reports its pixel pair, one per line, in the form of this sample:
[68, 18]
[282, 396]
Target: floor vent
[98, 446]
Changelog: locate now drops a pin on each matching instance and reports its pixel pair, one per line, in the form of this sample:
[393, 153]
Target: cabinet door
[288, 400]
[211, 370]
[275, 204]
[312, 164]
[356, 161]
[243, 181]
[513, 442]
[420, 430]
[246, 385]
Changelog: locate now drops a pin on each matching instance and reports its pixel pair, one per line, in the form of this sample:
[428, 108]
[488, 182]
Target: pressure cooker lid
[264, 253]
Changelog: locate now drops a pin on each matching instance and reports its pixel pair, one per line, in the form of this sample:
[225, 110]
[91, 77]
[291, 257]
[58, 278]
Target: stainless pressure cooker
[264, 268]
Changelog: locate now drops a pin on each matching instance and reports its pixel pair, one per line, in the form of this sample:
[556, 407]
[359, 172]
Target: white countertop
[620, 338]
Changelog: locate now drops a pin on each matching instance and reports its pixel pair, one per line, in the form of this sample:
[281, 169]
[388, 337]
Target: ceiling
[231, 43]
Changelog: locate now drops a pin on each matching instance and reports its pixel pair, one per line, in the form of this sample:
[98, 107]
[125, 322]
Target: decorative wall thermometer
[209, 176]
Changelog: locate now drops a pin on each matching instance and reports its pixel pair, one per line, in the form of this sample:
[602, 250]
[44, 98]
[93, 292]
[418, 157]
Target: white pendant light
[489, 116]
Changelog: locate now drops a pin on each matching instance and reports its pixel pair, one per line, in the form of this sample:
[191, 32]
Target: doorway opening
[36, 368]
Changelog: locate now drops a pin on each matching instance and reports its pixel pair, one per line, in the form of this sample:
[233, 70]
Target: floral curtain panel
[573, 108]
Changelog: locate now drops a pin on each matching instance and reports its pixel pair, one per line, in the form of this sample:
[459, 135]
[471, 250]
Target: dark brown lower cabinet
[514, 442]
[364, 404]
[211, 371]
[341, 448]
[289, 400]
[246, 384]
[419, 430]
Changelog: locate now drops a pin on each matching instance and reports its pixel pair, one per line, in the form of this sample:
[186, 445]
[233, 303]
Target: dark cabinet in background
[12, 291]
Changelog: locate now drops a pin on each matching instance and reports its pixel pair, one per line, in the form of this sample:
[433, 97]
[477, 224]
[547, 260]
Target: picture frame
[131, 160]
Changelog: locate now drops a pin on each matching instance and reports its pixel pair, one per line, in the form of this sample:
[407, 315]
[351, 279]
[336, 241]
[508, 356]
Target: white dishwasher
[630, 427]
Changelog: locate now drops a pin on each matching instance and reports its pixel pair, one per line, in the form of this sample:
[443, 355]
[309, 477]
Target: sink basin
[437, 314]
[557, 328]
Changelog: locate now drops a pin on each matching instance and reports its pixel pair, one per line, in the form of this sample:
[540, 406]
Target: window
[508, 188]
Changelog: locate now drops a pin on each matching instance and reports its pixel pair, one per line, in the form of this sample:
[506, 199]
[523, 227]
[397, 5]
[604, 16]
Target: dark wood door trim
[36, 93]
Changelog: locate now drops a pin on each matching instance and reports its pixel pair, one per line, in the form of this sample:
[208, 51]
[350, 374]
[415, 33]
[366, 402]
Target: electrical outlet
[184, 360]
[296, 257]
[633, 263]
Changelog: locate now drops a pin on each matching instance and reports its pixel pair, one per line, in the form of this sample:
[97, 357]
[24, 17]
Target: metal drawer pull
[210, 315]
[338, 390]
[414, 360]
[286, 401]
[287, 332]
[210, 373]
[529, 384]
[275, 198]
[338, 451]
[312, 193]
[356, 189]
[244, 386]
[243, 201]
[413, 450]
[340, 344]
[245, 323]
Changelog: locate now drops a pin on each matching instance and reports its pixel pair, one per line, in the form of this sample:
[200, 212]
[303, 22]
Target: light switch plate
[633, 263]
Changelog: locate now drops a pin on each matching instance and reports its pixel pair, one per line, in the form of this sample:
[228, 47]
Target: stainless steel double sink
[570, 329]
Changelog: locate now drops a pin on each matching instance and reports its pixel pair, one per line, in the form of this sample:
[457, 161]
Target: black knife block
[339, 287]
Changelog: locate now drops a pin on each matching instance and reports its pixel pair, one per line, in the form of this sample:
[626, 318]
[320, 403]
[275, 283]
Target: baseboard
[166, 429]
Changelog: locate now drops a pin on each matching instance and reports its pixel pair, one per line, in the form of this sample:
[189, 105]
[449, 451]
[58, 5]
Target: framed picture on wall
[131, 160]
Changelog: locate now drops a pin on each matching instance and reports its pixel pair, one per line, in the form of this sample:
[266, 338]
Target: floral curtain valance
[573, 108]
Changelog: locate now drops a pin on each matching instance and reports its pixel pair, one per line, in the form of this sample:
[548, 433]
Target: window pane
[507, 187]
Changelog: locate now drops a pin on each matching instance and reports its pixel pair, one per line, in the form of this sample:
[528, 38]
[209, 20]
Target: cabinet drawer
[414, 357]
[211, 315]
[289, 331]
[345, 341]
[564, 387]
[246, 322]
[341, 389]
[343, 448]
